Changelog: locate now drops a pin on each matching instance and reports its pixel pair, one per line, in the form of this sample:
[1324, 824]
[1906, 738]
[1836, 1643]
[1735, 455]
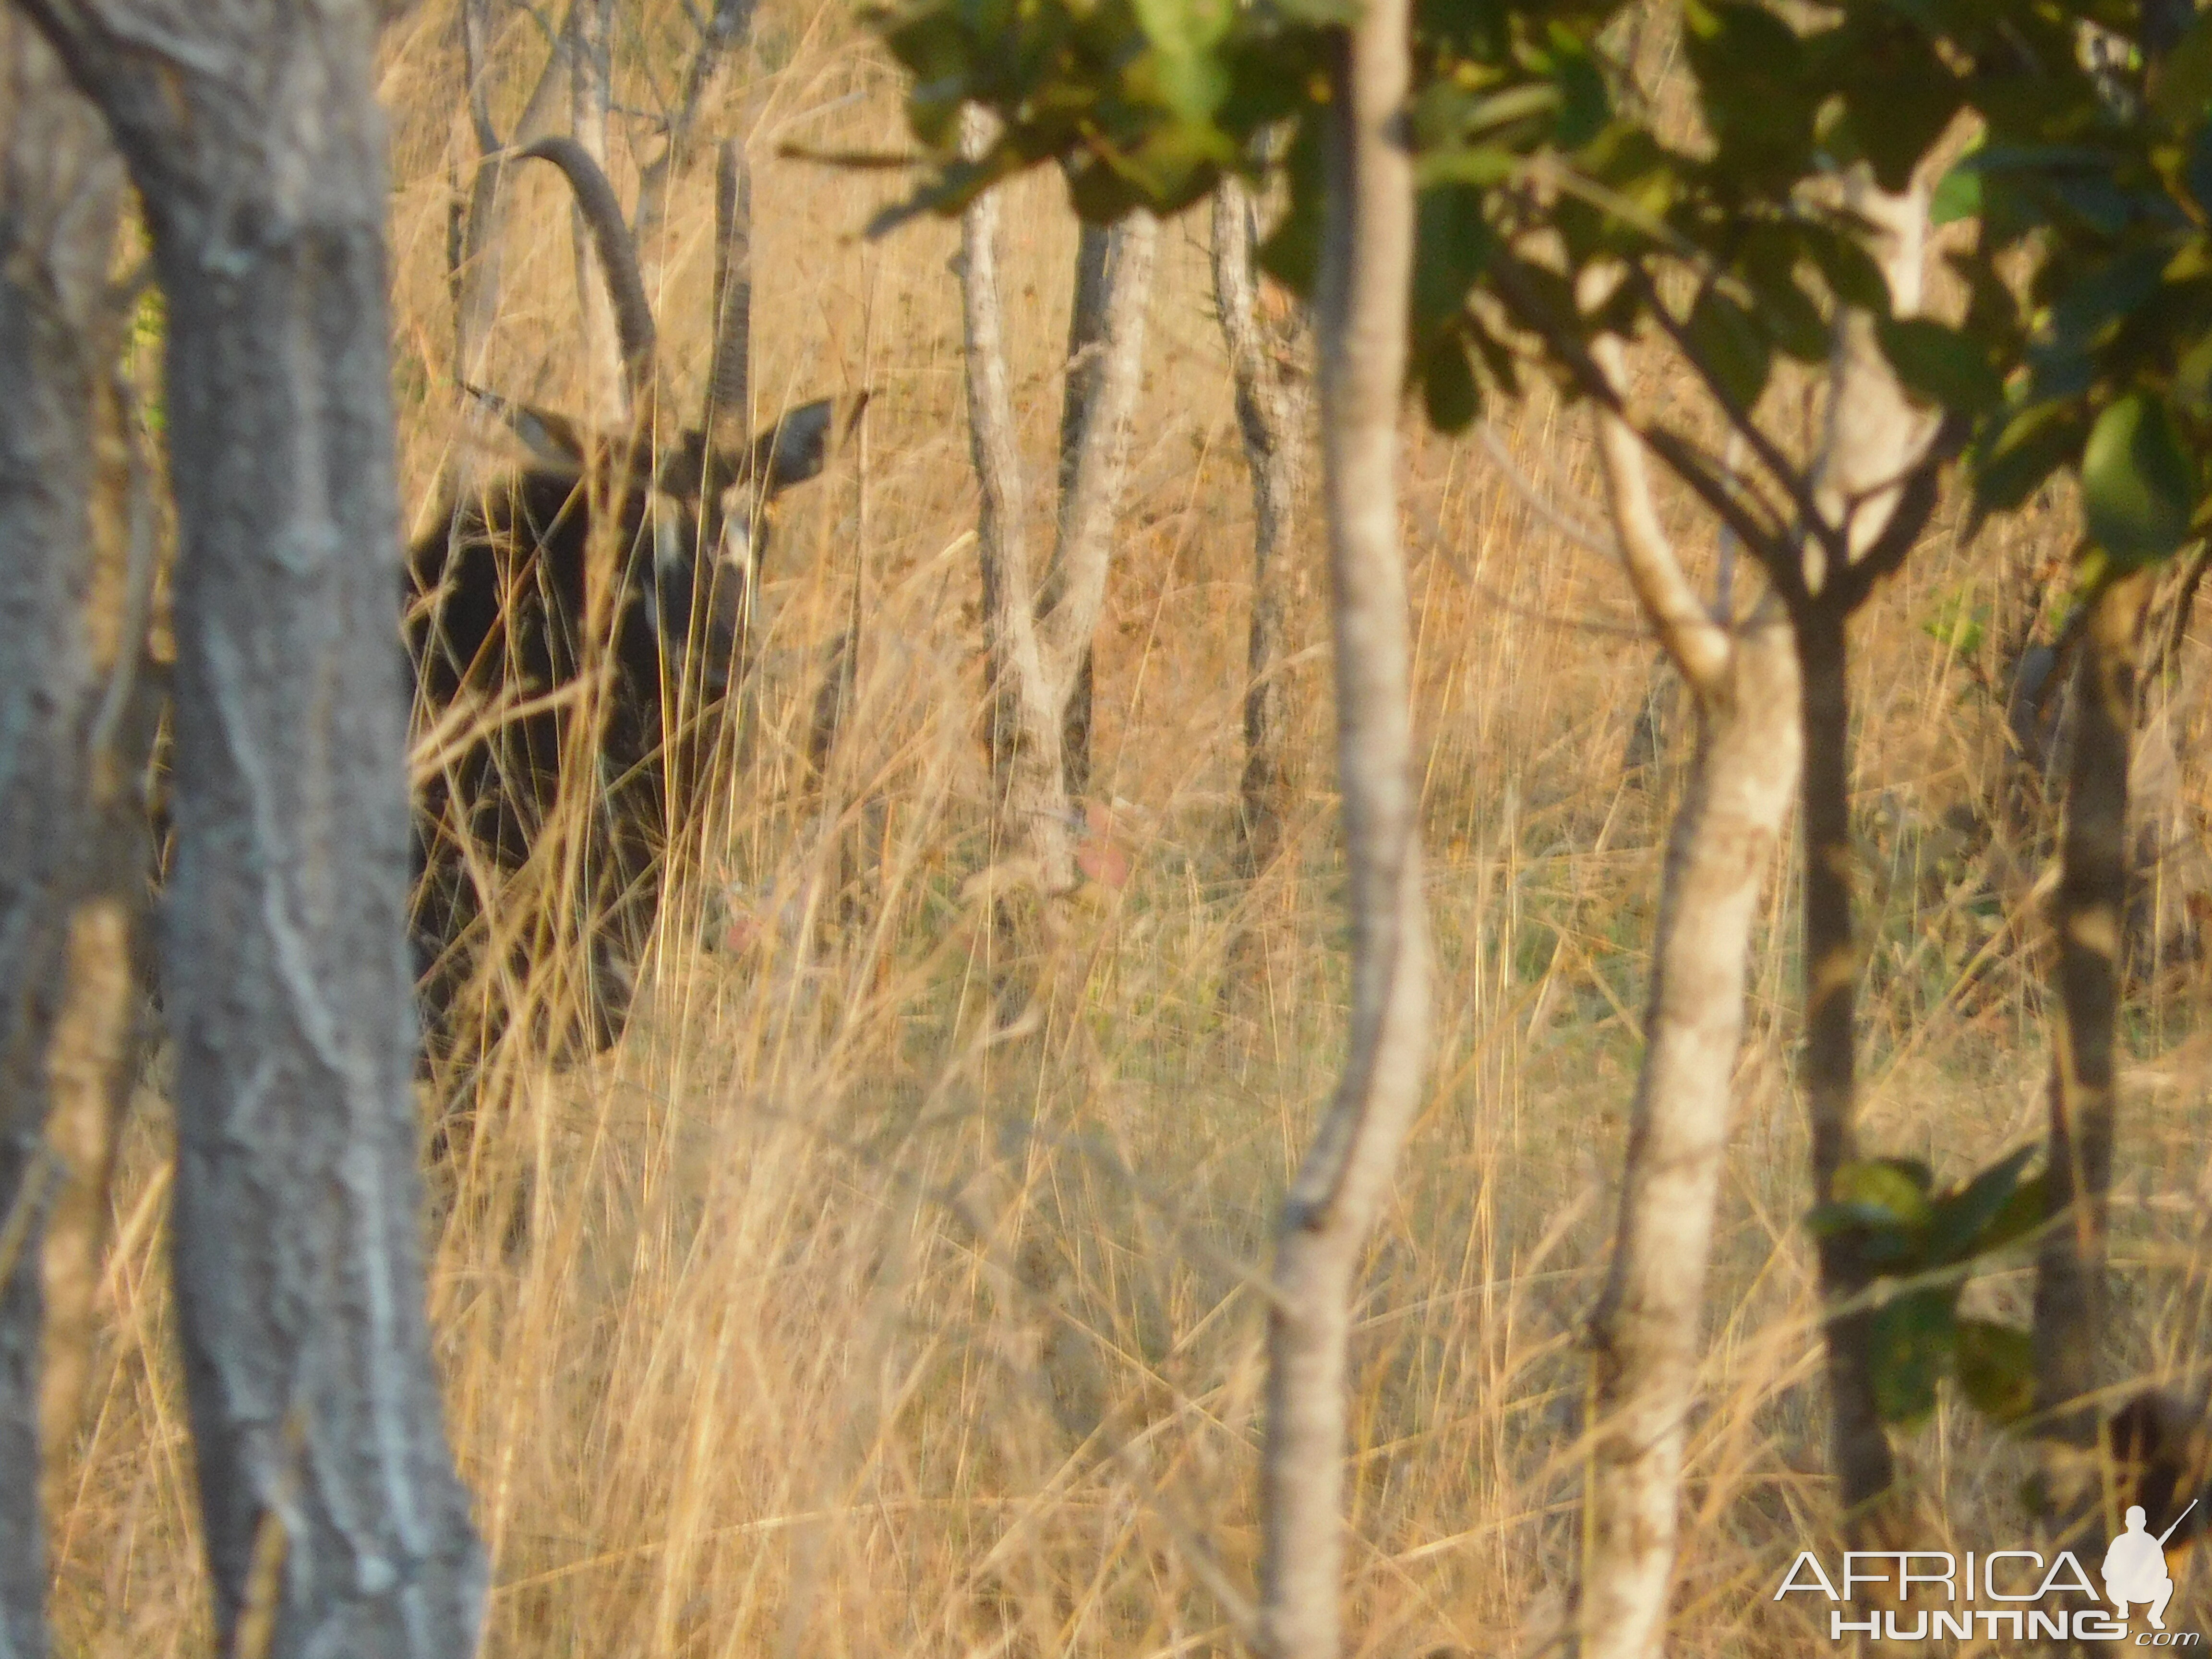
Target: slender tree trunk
[2089, 918]
[1339, 1188]
[1645, 1329]
[333, 1520]
[1722, 846]
[1645, 1332]
[60, 204]
[1860, 1447]
[1874, 438]
[1026, 764]
[1270, 409]
[1086, 367]
[729, 372]
[1037, 628]
[1105, 366]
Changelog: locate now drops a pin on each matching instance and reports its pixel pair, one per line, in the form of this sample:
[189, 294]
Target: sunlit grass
[818, 1321]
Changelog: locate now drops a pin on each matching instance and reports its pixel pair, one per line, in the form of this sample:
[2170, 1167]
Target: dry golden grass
[811, 1322]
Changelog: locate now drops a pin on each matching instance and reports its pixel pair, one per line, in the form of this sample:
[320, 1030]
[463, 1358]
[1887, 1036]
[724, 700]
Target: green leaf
[1895, 1186]
[2182, 88]
[1184, 28]
[1769, 261]
[1960, 1222]
[2030, 446]
[1453, 242]
[2025, 1212]
[1995, 1367]
[2138, 484]
[1909, 1340]
[1850, 271]
[1958, 195]
[2193, 378]
[1939, 364]
[1586, 103]
[1730, 346]
[1480, 166]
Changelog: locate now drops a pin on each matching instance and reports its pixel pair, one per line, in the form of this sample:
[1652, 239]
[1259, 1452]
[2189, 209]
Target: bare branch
[1692, 636]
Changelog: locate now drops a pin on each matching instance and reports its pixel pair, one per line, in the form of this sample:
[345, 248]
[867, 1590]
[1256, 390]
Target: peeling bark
[1339, 1187]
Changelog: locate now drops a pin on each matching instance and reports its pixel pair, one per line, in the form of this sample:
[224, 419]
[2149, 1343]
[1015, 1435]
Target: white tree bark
[1340, 1188]
[1105, 361]
[1645, 1330]
[1037, 628]
[330, 1504]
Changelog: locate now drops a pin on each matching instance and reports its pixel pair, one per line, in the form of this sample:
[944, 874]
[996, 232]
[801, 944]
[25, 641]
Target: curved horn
[595, 199]
[728, 413]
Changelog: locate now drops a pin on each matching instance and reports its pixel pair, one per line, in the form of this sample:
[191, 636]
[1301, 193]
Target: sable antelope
[529, 667]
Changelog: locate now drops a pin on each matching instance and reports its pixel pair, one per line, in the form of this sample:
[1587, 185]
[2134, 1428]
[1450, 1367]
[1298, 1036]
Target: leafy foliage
[2095, 172]
[1923, 1246]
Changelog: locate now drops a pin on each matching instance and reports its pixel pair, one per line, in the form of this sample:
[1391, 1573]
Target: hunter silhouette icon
[2135, 1567]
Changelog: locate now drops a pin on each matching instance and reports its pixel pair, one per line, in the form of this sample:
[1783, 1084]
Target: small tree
[1038, 625]
[2084, 186]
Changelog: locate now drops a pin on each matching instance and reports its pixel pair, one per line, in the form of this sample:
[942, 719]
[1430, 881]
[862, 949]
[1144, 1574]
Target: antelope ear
[552, 441]
[797, 446]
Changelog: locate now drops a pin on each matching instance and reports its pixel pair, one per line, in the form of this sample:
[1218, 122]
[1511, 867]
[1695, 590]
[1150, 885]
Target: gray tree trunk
[334, 1518]
[1874, 438]
[1645, 1329]
[1270, 412]
[2088, 917]
[1105, 373]
[1339, 1188]
[61, 188]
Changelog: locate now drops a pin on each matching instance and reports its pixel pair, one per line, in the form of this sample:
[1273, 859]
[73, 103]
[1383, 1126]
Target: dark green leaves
[1941, 365]
[2138, 484]
[1995, 1368]
[1912, 1337]
[2095, 180]
[1920, 1245]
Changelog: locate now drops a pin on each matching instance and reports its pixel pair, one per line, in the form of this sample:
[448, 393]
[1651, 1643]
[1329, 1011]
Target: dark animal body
[575, 631]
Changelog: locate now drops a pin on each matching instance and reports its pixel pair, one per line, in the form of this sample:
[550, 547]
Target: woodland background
[803, 1323]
